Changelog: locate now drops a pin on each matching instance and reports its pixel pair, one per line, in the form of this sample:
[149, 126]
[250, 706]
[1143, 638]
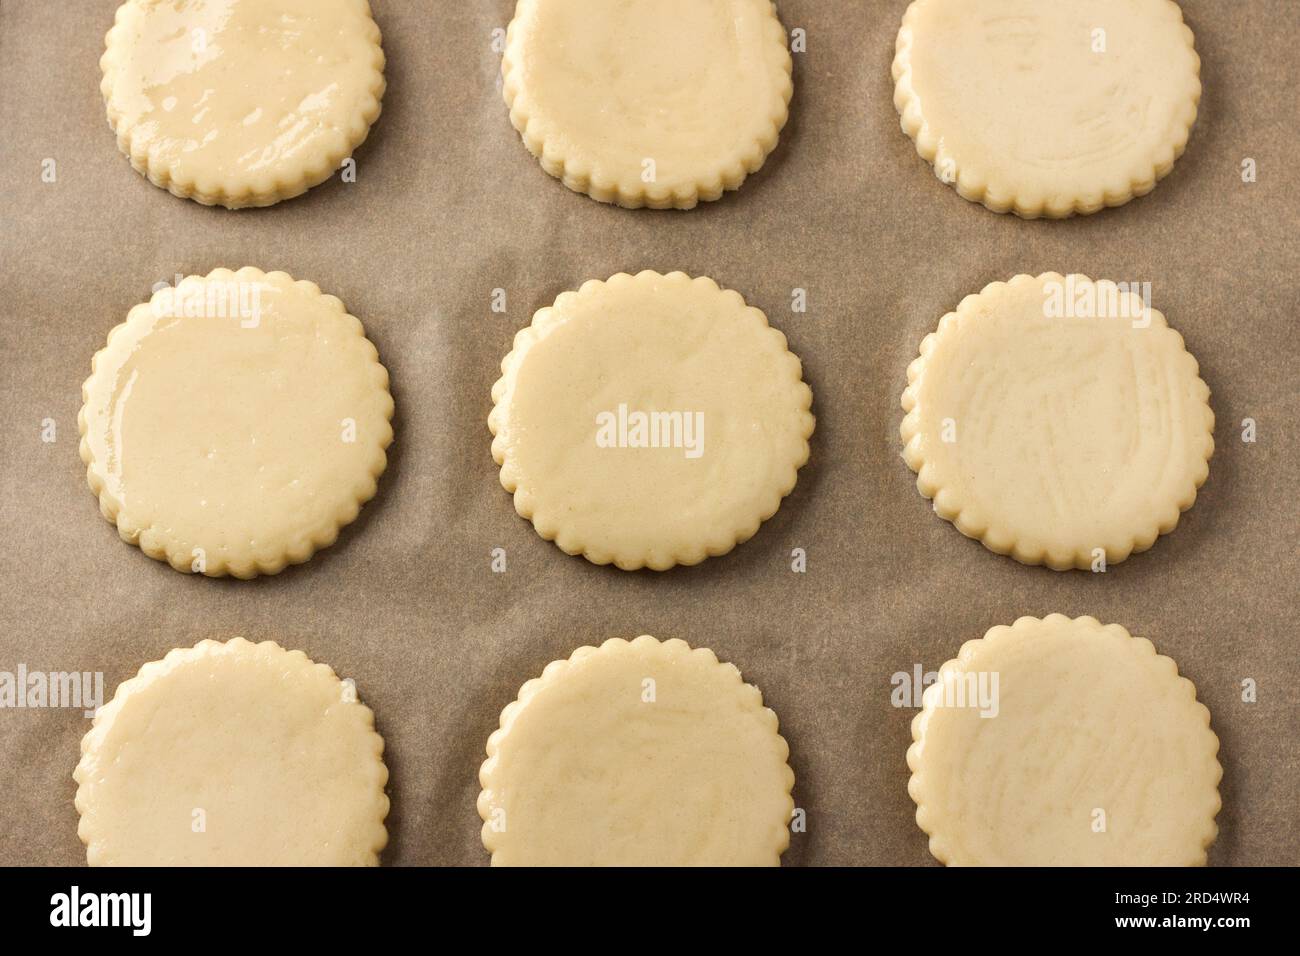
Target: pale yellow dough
[1060, 440]
[658, 103]
[652, 344]
[1098, 755]
[241, 102]
[233, 754]
[233, 424]
[1046, 108]
[637, 754]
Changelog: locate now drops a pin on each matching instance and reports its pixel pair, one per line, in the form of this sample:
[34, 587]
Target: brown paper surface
[449, 206]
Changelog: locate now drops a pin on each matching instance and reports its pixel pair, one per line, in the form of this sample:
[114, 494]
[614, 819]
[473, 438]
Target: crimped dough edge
[155, 670]
[671, 649]
[974, 186]
[688, 554]
[975, 525]
[636, 195]
[1139, 646]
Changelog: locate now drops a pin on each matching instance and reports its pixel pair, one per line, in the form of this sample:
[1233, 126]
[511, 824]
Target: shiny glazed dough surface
[241, 414]
[242, 102]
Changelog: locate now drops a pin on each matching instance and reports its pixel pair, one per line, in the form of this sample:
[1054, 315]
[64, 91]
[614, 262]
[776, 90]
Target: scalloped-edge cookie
[245, 102]
[649, 420]
[1060, 742]
[235, 422]
[233, 754]
[1058, 420]
[1047, 109]
[658, 103]
[640, 753]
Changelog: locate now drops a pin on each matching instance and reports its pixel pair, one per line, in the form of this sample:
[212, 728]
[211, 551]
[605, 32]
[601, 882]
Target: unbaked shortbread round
[637, 754]
[1058, 420]
[1094, 752]
[243, 102]
[234, 423]
[233, 754]
[658, 103]
[649, 421]
[1044, 108]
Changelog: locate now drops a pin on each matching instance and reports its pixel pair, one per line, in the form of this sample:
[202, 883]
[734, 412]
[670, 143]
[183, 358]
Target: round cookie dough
[233, 754]
[243, 102]
[658, 103]
[234, 423]
[637, 754]
[1044, 108]
[1058, 420]
[649, 421]
[1094, 752]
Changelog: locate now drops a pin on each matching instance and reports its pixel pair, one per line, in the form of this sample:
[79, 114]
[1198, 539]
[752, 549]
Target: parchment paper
[449, 206]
